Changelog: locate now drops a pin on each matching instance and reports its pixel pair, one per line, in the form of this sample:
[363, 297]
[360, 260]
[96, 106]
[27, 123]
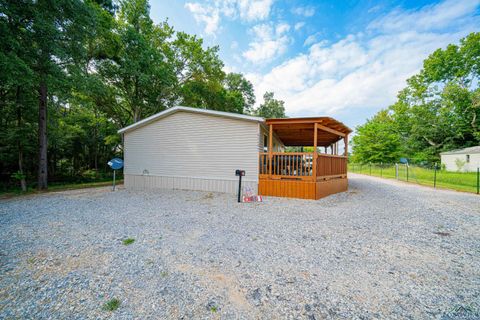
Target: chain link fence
[432, 175]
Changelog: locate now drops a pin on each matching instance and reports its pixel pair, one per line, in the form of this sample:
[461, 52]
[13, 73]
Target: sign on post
[115, 164]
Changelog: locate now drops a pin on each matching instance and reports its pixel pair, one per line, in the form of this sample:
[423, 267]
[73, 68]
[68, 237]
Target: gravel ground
[381, 250]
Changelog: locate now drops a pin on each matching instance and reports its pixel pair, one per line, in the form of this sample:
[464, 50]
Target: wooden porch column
[315, 155]
[270, 147]
[345, 139]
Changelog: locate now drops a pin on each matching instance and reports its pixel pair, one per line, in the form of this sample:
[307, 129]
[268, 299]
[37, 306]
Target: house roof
[300, 131]
[192, 110]
[291, 131]
[469, 150]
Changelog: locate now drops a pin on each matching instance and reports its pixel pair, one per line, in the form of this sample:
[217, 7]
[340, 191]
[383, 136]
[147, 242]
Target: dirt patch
[48, 262]
[214, 278]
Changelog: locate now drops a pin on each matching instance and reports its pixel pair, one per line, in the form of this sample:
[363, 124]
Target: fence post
[381, 167]
[435, 176]
[478, 180]
[396, 171]
[407, 170]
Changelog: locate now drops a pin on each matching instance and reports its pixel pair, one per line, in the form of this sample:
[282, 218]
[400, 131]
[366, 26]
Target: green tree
[271, 107]
[58, 31]
[442, 98]
[377, 140]
[241, 90]
[200, 75]
[439, 109]
[233, 94]
[16, 89]
[138, 76]
[79, 70]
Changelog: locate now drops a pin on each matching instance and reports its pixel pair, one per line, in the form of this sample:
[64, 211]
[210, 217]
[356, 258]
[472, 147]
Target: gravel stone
[382, 250]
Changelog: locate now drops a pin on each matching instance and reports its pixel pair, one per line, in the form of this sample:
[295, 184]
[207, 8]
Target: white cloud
[210, 13]
[299, 25]
[269, 42]
[366, 70]
[311, 39]
[205, 14]
[374, 9]
[251, 10]
[304, 11]
[430, 17]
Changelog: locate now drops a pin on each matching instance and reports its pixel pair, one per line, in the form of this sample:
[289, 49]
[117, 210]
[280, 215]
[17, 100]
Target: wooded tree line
[439, 110]
[72, 72]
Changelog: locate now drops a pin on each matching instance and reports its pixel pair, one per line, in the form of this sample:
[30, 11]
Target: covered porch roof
[297, 132]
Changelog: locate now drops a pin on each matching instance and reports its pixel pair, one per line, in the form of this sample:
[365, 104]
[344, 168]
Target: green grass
[111, 305]
[58, 187]
[460, 181]
[128, 241]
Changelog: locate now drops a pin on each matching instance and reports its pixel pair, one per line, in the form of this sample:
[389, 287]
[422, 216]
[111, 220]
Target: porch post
[315, 155]
[270, 147]
[345, 139]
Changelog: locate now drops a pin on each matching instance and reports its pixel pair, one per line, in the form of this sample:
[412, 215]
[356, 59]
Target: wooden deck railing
[287, 165]
[331, 165]
[300, 165]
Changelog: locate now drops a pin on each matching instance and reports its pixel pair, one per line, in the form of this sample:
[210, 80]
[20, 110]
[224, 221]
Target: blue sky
[346, 59]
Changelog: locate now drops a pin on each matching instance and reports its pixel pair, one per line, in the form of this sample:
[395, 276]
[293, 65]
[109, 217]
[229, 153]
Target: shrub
[111, 305]
[128, 241]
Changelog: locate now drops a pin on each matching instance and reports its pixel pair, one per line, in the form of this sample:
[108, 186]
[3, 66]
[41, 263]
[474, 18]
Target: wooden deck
[306, 175]
[298, 175]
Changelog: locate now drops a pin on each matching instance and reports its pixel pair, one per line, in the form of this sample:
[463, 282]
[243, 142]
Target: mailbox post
[240, 174]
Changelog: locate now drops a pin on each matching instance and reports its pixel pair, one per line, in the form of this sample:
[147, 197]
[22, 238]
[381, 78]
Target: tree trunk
[53, 170]
[42, 137]
[433, 144]
[136, 114]
[96, 142]
[23, 183]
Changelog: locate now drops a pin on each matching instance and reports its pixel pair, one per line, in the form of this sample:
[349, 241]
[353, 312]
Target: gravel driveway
[381, 250]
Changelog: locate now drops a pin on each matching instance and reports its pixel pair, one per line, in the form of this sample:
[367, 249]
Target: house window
[468, 158]
[265, 143]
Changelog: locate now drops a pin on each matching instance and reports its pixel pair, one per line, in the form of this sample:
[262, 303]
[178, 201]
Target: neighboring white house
[194, 149]
[466, 160]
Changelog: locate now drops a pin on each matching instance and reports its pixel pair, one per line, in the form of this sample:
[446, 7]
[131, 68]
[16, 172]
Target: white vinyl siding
[449, 160]
[141, 182]
[193, 147]
[277, 144]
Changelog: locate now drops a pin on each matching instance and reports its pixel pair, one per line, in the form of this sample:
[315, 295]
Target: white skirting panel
[144, 182]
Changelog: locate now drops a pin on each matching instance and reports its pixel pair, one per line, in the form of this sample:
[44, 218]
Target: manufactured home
[199, 149]
[464, 160]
